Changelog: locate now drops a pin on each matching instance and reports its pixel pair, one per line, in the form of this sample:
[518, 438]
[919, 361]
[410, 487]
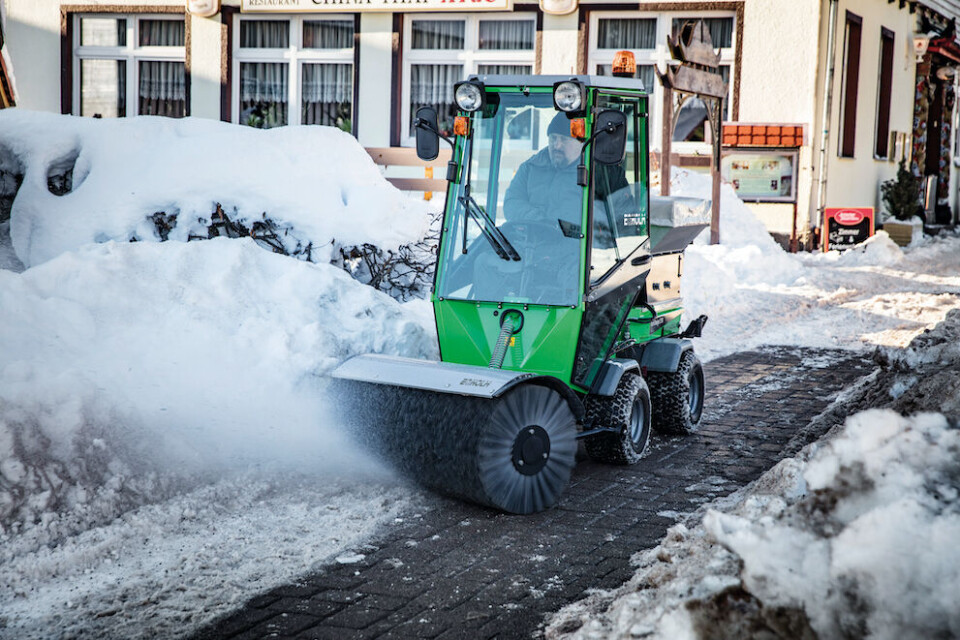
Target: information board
[846, 226]
[761, 176]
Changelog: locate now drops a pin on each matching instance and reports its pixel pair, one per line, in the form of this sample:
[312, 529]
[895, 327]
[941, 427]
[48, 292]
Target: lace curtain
[103, 32]
[721, 30]
[163, 89]
[103, 88]
[327, 94]
[644, 72]
[504, 69]
[499, 35]
[438, 34]
[627, 33]
[263, 94]
[264, 34]
[162, 33]
[431, 85]
[328, 34]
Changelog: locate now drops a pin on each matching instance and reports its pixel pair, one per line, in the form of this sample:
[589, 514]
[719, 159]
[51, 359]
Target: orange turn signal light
[624, 64]
[578, 128]
[461, 126]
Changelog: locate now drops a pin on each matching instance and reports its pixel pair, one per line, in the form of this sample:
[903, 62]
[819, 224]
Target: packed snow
[163, 425]
[853, 538]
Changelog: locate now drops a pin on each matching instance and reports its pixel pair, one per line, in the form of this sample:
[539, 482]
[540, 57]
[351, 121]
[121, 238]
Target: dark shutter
[851, 80]
[884, 94]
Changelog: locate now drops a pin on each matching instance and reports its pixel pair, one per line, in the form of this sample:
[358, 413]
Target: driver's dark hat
[560, 125]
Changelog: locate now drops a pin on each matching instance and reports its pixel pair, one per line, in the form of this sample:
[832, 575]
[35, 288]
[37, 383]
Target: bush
[902, 194]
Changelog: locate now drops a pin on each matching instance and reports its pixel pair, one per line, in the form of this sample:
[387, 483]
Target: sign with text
[846, 227]
[762, 176]
[349, 6]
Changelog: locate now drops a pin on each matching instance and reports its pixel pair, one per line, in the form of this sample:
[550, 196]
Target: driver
[545, 187]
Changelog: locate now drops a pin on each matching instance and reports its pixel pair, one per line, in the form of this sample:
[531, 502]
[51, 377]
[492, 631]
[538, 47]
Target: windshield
[514, 233]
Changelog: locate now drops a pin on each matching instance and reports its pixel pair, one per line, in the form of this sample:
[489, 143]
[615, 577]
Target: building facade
[862, 83]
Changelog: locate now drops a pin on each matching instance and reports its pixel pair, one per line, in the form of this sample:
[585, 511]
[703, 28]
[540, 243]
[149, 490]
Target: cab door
[618, 246]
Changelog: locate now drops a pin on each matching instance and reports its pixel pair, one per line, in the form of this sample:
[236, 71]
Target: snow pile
[755, 293]
[309, 190]
[747, 253]
[878, 250]
[183, 356]
[855, 537]
[857, 541]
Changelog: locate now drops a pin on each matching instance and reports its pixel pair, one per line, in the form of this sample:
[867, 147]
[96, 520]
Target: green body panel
[548, 341]
[640, 331]
[545, 345]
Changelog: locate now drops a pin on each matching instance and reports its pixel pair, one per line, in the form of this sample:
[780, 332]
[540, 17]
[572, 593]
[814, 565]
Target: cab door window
[619, 222]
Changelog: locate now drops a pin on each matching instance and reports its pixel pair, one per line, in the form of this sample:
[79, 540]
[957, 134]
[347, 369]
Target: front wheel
[678, 396]
[628, 413]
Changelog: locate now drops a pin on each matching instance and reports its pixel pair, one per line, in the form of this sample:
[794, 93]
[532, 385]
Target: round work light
[468, 96]
[568, 96]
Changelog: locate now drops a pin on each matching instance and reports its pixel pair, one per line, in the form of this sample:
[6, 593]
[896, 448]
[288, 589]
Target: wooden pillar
[716, 118]
[666, 145]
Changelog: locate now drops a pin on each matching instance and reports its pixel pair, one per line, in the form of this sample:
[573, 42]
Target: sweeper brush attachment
[513, 451]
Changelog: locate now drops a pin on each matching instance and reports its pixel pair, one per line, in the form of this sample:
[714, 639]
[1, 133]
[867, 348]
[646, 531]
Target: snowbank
[755, 293]
[855, 537]
[316, 184]
[188, 355]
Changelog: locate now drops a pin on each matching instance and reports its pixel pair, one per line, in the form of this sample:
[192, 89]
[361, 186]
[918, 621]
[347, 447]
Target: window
[851, 81]
[293, 71]
[884, 94]
[127, 65]
[620, 203]
[646, 36]
[440, 51]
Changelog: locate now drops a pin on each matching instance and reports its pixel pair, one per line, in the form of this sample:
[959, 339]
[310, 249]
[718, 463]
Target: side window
[619, 200]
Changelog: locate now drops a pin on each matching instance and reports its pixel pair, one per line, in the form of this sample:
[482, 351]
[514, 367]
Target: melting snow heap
[123, 362]
[856, 537]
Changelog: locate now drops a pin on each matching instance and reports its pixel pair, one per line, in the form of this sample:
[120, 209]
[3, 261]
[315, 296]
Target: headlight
[569, 96]
[468, 95]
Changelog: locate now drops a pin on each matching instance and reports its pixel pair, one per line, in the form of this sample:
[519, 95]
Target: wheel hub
[531, 450]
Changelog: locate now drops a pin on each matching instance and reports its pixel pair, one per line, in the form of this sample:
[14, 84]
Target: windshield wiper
[489, 229]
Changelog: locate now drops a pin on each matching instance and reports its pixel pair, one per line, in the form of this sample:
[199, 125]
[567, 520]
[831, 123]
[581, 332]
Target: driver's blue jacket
[541, 192]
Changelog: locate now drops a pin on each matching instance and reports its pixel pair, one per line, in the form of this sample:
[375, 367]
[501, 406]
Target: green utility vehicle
[556, 320]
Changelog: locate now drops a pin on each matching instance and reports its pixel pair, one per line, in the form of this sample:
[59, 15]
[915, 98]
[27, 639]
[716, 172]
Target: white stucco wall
[205, 61]
[560, 40]
[374, 77]
[33, 34]
[778, 84]
[854, 181]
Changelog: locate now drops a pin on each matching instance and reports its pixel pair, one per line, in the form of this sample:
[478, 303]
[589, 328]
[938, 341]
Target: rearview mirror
[428, 133]
[610, 145]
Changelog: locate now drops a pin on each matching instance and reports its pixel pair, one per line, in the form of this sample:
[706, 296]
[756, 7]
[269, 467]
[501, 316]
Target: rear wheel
[678, 396]
[628, 412]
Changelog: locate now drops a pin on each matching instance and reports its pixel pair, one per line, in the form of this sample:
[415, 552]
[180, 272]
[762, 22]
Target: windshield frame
[481, 181]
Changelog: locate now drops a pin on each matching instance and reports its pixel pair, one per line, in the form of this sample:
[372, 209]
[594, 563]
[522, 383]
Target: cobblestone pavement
[455, 570]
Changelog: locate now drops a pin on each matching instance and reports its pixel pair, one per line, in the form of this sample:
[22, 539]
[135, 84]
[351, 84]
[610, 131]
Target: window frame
[850, 86]
[660, 57]
[471, 56]
[132, 53]
[295, 56]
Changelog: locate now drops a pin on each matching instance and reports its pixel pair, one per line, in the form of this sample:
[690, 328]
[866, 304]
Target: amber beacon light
[624, 64]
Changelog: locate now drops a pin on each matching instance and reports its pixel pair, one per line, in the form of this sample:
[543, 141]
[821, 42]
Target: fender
[663, 355]
[610, 375]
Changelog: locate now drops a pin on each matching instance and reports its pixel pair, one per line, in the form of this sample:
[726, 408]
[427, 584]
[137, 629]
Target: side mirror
[428, 133]
[610, 145]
